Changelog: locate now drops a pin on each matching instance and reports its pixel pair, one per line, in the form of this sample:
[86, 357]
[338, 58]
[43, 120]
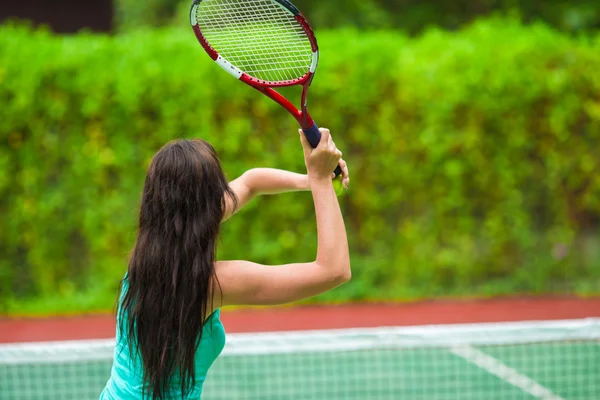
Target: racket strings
[257, 36]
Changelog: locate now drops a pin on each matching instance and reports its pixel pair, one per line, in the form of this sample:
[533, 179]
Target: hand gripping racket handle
[313, 135]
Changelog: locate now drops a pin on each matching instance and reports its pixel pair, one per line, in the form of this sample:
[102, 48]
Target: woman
[168, 326]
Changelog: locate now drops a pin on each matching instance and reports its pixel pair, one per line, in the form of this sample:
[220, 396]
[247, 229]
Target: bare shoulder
[229, 280]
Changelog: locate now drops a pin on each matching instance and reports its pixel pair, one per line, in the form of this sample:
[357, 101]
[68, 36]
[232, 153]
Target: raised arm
[263, 181]
[247, 283]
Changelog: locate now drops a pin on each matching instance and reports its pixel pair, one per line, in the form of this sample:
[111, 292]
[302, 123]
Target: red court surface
[325, 317]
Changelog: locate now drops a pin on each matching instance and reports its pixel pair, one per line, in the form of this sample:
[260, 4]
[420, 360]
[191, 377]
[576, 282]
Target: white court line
[504, 372]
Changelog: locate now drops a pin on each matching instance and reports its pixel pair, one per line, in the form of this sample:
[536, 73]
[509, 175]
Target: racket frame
[265, 87]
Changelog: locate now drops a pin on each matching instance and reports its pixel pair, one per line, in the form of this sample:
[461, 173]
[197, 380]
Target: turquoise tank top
[126, 378]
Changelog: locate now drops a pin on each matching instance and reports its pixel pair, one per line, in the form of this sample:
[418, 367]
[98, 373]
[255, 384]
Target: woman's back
[126, 380]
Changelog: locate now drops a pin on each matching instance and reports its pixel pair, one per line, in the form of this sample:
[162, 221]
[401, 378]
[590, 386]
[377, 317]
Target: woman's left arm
[261, 181]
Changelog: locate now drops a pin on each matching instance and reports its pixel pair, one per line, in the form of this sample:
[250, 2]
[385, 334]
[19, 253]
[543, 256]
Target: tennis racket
[266, 44]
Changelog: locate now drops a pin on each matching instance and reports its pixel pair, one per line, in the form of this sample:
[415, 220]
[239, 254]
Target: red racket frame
[302, 116]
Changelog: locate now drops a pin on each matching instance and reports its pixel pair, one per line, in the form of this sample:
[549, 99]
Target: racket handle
[313, 135]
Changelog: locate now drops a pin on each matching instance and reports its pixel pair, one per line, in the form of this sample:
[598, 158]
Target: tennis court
[544, 360]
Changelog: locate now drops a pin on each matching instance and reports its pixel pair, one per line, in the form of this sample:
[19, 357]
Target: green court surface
[569, 371]
[549, 370]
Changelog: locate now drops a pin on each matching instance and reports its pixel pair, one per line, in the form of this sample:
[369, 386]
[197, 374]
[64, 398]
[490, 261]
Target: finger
[346, 169]
[306, 147]
[332, 145]
[335, 148]
[345, 173]
[325, 138]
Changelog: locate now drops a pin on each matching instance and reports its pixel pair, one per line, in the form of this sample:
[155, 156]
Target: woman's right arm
[248, 283]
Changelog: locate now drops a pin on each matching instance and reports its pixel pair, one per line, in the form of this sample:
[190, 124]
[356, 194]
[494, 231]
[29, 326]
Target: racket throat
[305, 120]
[302, 115]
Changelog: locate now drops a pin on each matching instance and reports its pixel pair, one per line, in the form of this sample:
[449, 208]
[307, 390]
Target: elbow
[334, 275]
[344, 275]
[248, 180]
[347, 276]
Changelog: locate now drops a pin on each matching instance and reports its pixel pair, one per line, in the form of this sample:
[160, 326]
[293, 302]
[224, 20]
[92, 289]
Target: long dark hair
[171, 270]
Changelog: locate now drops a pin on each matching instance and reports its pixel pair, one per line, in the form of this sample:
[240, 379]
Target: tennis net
[526, 360]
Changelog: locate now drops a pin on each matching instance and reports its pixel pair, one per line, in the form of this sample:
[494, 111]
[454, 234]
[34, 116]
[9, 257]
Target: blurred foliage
[410, 16]
[474, 154]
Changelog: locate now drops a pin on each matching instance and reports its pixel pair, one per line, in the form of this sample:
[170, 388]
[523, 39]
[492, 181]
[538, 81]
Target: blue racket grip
[313, 135]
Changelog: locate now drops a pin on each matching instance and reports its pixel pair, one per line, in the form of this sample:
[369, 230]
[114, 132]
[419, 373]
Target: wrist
[316, 180]
[304, 183]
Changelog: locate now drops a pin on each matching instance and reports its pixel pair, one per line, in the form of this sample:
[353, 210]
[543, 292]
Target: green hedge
[475, 159]
[408, 15]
